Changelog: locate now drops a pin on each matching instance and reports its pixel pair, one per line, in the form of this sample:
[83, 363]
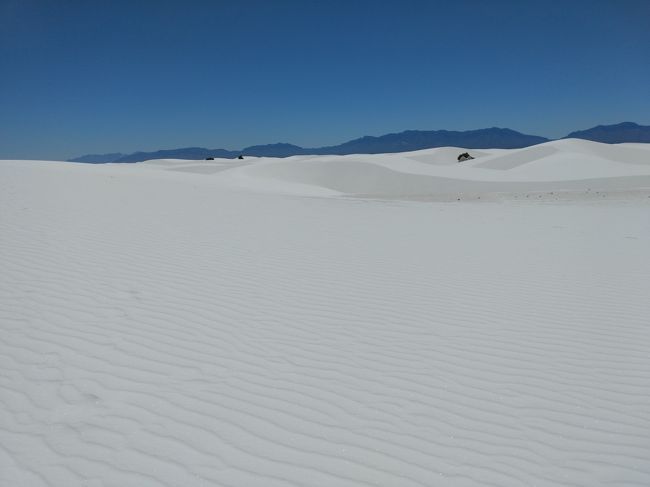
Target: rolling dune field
[367, 320]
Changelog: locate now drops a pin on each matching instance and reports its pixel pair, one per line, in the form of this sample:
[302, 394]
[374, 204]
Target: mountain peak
[614, 134]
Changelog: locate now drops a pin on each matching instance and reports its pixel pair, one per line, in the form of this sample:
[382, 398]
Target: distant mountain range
[410, 140]
[98, 158]
[614, 134]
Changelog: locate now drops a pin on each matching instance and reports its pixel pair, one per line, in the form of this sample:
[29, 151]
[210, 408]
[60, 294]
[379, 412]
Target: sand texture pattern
[304, 322]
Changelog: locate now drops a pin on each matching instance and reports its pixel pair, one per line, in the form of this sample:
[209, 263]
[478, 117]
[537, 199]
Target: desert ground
[366, 320]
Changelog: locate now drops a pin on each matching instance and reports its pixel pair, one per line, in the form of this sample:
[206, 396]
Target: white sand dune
[568, 165]
[258, 323]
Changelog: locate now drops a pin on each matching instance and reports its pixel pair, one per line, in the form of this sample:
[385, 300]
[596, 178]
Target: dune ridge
[260, 323]
[570, 165]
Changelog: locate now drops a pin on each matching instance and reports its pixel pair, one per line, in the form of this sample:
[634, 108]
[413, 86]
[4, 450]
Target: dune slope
[576, 166]
[167, 323]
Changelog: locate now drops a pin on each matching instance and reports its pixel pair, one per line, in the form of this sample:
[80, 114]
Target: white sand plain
[328, 321]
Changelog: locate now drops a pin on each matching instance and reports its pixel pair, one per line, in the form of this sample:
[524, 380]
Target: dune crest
[577, 166]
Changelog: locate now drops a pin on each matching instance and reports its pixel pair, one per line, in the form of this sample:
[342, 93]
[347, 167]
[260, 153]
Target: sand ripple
[156, 330]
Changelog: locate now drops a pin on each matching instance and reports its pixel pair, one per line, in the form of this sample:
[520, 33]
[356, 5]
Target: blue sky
[82, 77]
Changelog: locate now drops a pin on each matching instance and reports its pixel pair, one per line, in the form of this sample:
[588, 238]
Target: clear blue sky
[91, 76]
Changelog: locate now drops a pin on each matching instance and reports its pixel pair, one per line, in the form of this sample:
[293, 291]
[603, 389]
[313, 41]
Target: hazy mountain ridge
[98, 158]
[182, 153]
[614, 134]
[409, 140]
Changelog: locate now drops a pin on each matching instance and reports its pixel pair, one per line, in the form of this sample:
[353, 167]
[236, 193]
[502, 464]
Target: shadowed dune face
[175, 323]
[518, 158]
